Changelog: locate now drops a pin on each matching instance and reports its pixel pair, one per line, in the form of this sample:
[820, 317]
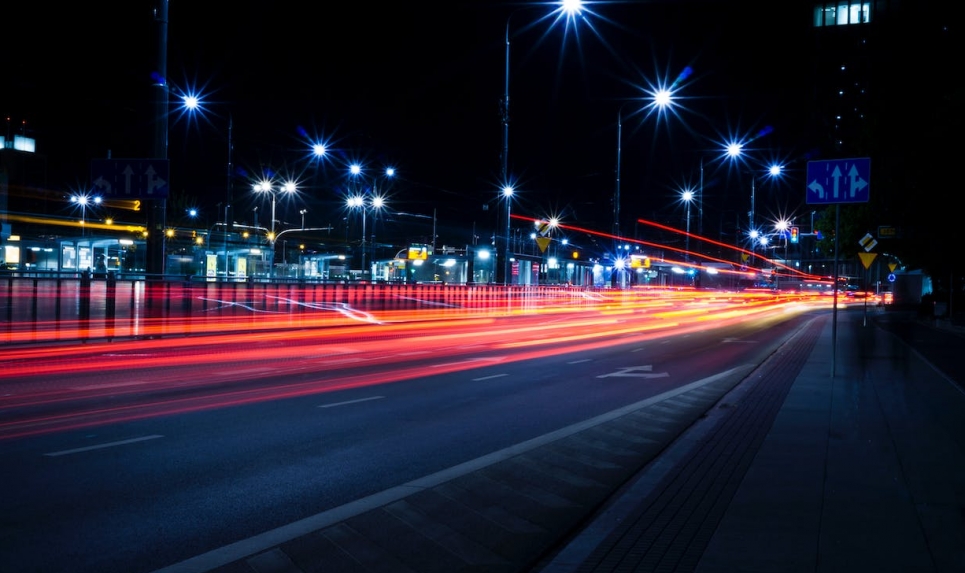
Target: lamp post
[660, 99]
[687, 196]
[569, 8]
[265, 186]
[508, 198]
[360, 200]
[83, 200]
[302, 212]
[735, 151]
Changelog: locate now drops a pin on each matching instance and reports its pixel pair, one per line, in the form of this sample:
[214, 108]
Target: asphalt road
[140, 494]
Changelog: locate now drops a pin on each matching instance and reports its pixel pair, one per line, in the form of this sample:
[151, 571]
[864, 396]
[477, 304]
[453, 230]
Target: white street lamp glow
[355, 169]
[319, 150]
[265, 186]
[734, 149]
[662, 97]
[572, 7]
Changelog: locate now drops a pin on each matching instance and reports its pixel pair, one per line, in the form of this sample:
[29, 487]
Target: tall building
[884, 86]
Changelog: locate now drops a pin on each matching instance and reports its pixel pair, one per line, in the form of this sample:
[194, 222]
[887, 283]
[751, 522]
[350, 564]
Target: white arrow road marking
[636, 372]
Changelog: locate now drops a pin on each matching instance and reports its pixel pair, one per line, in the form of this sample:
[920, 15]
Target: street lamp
[508, 198]
[302, 212]
[84, 200]
[361, 201]
[687, 196]
[266, 186]
[735, 151]
[568, 9]
[660, 99]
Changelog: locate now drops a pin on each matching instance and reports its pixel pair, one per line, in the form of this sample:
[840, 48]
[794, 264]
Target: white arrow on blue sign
[130, 178]
[839, 181]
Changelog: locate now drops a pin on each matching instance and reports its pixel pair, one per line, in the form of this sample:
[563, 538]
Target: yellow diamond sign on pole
[867, 259]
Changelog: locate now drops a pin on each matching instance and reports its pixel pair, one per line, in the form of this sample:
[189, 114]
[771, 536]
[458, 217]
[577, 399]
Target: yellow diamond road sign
[868, 242]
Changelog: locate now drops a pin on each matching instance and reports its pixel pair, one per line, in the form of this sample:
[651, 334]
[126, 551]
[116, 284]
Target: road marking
[579, 361]
[332, 405]
[489, 377]
[636, 371]
[102, 446]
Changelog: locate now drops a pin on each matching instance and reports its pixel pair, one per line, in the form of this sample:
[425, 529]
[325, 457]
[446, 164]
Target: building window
[842, 13]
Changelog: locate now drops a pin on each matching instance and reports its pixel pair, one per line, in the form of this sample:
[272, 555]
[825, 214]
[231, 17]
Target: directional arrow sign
[130, 178]
[838, 181]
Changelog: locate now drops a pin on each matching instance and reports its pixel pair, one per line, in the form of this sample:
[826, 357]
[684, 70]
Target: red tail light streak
[53, 388]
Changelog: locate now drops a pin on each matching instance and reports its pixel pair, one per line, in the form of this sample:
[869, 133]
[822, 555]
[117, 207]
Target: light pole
[735, 151]
[508, 198]
[660, 99]
[83, 200]
[570, 9]
[302, 212]
[687, 196]
[265, 186]
[361, 201]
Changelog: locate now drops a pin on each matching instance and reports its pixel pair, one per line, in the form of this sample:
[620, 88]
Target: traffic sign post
[832, 182]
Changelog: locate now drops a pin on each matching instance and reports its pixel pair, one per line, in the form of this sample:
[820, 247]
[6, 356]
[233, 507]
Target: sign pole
[834, 310]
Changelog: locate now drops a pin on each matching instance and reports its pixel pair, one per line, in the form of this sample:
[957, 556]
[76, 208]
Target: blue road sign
[130, 178]
[839, 181]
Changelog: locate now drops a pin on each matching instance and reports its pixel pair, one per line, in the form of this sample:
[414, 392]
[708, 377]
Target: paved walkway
[862, 471]
[781, 467]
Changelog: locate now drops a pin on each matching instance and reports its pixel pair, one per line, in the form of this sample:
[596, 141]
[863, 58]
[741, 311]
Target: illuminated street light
[735, 151]
[84, 200]
[194, 104]
[568, 10]
[687, 196]
[266, 186]
[364, 203]
[508, 198]
[660, 99]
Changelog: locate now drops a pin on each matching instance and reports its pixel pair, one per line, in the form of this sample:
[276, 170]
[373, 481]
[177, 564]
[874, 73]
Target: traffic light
[795, 234]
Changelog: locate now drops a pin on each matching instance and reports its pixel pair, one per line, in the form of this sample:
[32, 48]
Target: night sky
[418, 87]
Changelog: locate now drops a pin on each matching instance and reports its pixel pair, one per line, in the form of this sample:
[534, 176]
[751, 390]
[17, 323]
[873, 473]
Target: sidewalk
[864, 471]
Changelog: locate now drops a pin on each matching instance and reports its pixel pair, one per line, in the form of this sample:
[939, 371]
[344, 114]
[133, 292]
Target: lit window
[842, 13]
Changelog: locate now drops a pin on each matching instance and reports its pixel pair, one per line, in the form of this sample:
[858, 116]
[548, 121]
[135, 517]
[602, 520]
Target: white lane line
[579, 361]
[489, 377]
[333, 404]
[102, 446]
